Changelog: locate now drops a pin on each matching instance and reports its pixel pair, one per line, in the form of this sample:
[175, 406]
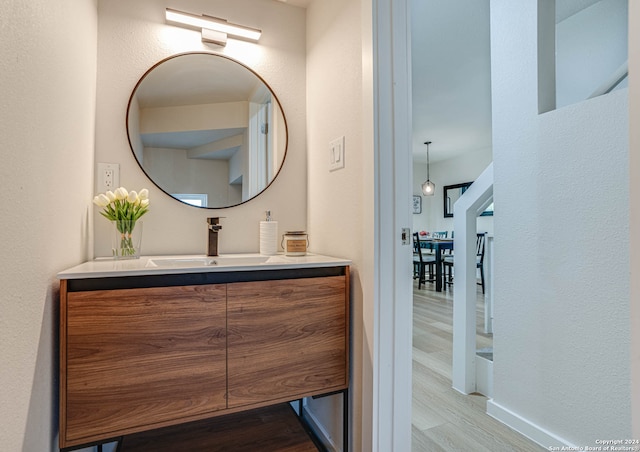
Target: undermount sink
[209, 261]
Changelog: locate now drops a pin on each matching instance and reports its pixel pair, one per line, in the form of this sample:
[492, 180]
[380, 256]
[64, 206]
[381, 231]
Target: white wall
[47, 113]
[561, 329]
[175, 172]
[590, 46]
[338, 200]
[132, 37]
[463, 168]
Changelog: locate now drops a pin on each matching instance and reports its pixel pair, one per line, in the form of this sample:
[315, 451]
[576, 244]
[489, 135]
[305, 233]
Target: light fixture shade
[428, 188]
[212, 23]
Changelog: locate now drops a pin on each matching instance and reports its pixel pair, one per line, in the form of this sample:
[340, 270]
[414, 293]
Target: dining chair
[447, 262]
[426, 249]
[421, 261]
[449, 251]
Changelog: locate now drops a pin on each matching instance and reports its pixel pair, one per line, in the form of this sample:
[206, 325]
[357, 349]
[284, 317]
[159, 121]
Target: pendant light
[428, 188]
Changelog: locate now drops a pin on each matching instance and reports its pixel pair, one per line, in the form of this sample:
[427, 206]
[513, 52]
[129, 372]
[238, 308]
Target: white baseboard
[484, 376]
[525, 427]
[320, 431]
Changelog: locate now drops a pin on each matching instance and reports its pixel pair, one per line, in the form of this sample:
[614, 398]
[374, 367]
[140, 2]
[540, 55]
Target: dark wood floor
[443, 419]
[270, 429]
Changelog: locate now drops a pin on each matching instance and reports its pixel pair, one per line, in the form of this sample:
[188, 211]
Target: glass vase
[127, 239]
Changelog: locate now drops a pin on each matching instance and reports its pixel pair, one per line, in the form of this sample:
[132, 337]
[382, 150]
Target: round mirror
[206, 130]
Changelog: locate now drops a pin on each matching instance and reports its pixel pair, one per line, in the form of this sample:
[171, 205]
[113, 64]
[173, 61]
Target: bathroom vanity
[160, 341]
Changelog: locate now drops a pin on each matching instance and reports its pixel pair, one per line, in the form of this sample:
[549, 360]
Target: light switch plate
[336, 154]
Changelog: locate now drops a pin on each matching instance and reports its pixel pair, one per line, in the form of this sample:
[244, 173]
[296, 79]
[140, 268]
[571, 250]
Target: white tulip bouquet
[124, 208]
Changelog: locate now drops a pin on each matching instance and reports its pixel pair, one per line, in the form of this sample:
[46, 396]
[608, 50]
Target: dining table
[437, 245]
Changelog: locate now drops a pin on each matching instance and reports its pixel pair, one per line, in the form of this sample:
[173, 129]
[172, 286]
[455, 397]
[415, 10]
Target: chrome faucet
[214, 227]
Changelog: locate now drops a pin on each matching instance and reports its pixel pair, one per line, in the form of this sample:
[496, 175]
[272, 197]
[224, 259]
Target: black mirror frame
[464, 186]
[258, 76]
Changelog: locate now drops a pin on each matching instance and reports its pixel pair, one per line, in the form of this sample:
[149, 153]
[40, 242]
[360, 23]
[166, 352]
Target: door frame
[393, 298]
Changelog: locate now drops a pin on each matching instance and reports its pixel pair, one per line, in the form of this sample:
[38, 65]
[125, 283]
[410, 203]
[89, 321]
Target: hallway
[443, 419]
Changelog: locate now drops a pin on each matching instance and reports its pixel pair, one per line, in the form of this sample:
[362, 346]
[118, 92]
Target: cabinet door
[286, 339]
[140, 358]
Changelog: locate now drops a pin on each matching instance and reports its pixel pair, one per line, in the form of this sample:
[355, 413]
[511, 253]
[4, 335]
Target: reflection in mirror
[206, 130]
[453, 192]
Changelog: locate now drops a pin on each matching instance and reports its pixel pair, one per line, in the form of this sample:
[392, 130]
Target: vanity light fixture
[213, 29]
[428, 187]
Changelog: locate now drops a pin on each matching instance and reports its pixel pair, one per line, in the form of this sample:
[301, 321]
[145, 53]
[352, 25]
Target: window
[195, 199]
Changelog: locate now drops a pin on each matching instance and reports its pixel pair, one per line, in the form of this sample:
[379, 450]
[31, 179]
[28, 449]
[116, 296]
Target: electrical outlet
[108, 176]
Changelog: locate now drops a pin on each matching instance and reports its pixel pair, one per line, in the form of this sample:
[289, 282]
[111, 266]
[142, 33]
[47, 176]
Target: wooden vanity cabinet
[139, 358]
[286, 339]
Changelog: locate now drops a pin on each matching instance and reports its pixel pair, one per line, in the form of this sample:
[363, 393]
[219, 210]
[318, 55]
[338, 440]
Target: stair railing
[465, 211]
[614, 80]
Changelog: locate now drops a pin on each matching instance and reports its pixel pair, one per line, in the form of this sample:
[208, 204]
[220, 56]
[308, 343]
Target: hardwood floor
[443, 419]
[270, 429]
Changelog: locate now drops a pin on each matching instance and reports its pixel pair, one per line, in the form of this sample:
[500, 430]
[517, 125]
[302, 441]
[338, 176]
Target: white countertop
[171, 265]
